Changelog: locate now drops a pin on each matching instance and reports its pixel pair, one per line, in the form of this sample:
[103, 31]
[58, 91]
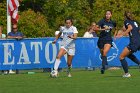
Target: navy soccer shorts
[101, 43]
[133, 47]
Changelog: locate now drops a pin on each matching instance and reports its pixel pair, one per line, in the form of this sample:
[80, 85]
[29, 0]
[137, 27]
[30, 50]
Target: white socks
[56, 64]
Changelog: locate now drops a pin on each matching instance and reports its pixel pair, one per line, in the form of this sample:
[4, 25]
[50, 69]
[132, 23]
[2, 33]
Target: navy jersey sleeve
[100, 23]
[126, 23]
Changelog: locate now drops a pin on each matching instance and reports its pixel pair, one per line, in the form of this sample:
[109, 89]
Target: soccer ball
[54, 74]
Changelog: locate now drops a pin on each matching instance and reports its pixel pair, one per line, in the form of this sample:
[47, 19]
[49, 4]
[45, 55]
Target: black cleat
[102, 71]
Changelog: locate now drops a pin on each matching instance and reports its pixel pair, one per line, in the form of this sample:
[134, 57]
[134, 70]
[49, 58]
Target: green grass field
[81, 82]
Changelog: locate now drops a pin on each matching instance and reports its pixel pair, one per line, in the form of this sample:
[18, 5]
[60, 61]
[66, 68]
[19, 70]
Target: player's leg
[101, 51]
[104, 56]
[71, 53]
[101, 46]
[69, 63]
[124, 64]
[62, 52]
[131, 56]
[134, 58]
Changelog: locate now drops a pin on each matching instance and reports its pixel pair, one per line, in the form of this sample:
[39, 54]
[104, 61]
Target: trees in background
[40, 18]
[34, 24]
[3, 17]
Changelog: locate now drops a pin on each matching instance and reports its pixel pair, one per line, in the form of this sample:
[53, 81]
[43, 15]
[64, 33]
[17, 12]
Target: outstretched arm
[129, 29]
[97, 28]
[56, 38]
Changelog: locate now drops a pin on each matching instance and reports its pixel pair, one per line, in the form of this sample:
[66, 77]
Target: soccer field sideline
[81, 82]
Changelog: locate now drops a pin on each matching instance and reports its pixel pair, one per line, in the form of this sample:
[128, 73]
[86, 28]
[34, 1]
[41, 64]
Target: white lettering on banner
[36, 46]
[8, 54]
[23, 55]
[47, 53]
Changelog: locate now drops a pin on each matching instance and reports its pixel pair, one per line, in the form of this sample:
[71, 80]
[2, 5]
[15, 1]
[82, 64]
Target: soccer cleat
[69, 72]
[69, 75]
[102, 71]
[11, 72]
[5, 72]
[127, 75]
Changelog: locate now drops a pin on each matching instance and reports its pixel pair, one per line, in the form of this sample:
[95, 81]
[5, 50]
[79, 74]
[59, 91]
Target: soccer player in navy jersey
[104, 43]
[132, 28]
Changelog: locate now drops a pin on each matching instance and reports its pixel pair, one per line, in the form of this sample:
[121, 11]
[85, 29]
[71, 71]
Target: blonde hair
[93, 23]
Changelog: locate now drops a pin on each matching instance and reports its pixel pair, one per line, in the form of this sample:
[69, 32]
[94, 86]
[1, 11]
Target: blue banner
[41, 53]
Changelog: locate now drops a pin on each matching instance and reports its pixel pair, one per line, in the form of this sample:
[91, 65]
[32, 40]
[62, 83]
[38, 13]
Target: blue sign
[41, 53]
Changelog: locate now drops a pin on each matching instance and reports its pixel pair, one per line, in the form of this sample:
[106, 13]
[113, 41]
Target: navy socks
[104, 62]
[133, 58]
[124, 65]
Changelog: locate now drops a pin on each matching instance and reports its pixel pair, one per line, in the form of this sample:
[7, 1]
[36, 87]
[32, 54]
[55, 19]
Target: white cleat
[11, 72]
[69, 75]
[127, 75]
[5, 72]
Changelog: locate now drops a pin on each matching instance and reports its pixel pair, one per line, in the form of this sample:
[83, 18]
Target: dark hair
[109, 11]
[105, 13]
[68, 18]
[128, 15]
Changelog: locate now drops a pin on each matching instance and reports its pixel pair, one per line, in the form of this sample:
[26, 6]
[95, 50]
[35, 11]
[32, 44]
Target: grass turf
[81, 82]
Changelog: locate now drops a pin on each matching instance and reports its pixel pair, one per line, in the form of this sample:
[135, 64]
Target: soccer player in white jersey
[67, 44]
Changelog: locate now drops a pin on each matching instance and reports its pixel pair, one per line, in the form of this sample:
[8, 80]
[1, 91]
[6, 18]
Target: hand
[70, 36]
[96, 28]
[19, 37]
[54, 41]
[107, 28]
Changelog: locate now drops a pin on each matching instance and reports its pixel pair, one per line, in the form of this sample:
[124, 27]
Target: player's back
[134, 34]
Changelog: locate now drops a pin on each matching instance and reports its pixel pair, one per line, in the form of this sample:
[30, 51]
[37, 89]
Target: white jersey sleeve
[62, 28]
[75, 30]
